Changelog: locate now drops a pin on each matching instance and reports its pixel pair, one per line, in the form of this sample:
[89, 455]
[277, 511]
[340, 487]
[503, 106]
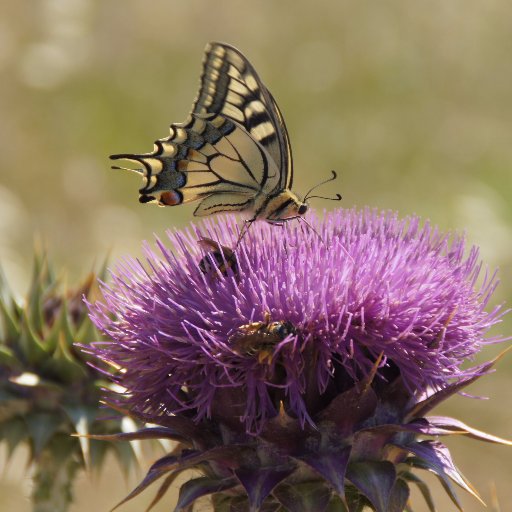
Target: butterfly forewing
[230, 86]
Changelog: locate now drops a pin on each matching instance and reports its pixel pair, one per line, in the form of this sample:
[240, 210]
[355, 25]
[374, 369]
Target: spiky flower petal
[316, 355]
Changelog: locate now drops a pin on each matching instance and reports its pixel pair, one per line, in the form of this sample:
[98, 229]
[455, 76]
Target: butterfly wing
[231, 87]
[209, 158]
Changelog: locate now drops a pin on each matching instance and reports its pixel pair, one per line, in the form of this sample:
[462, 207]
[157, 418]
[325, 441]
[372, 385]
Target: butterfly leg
[244, 230]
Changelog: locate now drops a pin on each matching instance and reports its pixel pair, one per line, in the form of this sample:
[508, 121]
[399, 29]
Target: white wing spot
[251, 83]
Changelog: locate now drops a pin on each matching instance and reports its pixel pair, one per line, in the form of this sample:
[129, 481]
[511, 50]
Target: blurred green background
[411, 102]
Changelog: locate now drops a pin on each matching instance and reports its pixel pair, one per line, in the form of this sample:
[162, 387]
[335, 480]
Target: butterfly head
[302, 209]
[286, 205]
[337, 197]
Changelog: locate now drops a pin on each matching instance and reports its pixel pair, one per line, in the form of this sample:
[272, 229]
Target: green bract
[47, 390]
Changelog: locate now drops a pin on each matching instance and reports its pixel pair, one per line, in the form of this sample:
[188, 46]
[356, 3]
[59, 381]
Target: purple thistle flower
[286, 342]
[372, 285]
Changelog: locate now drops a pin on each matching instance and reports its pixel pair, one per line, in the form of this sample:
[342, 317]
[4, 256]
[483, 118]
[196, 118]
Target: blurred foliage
[48, 391]
[411, 102]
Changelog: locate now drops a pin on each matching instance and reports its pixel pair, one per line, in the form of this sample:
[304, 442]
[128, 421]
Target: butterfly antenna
[336, 198]
[117, 167]
[332, 178]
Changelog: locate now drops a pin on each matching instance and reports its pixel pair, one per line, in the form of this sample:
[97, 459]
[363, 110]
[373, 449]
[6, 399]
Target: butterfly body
[233, 152]
[282, 206]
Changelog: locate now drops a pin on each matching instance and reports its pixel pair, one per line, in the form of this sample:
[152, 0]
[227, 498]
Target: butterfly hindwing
[208, 157]
[231, 87]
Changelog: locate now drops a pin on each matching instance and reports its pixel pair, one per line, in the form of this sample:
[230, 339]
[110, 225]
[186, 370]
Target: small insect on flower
[219, 258]
[260, 338]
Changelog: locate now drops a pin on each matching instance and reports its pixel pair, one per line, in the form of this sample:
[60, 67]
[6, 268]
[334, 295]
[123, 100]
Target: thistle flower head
[278, 350]
[371, 285]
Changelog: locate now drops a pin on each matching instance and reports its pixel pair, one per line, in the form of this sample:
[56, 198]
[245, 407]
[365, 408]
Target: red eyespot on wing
[171, 198]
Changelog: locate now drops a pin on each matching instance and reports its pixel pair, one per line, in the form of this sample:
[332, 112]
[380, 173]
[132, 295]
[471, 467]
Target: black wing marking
[231, 87]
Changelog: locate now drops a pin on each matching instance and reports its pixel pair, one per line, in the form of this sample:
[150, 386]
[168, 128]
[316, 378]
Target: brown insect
[218, 259]
[258, 339]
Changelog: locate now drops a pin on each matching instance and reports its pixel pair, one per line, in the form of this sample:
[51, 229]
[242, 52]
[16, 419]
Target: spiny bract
[47, 389]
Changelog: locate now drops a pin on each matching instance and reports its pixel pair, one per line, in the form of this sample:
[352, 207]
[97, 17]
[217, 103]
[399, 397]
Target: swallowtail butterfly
[231, 154]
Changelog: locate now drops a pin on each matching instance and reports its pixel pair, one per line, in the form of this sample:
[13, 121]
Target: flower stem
[54, 476]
